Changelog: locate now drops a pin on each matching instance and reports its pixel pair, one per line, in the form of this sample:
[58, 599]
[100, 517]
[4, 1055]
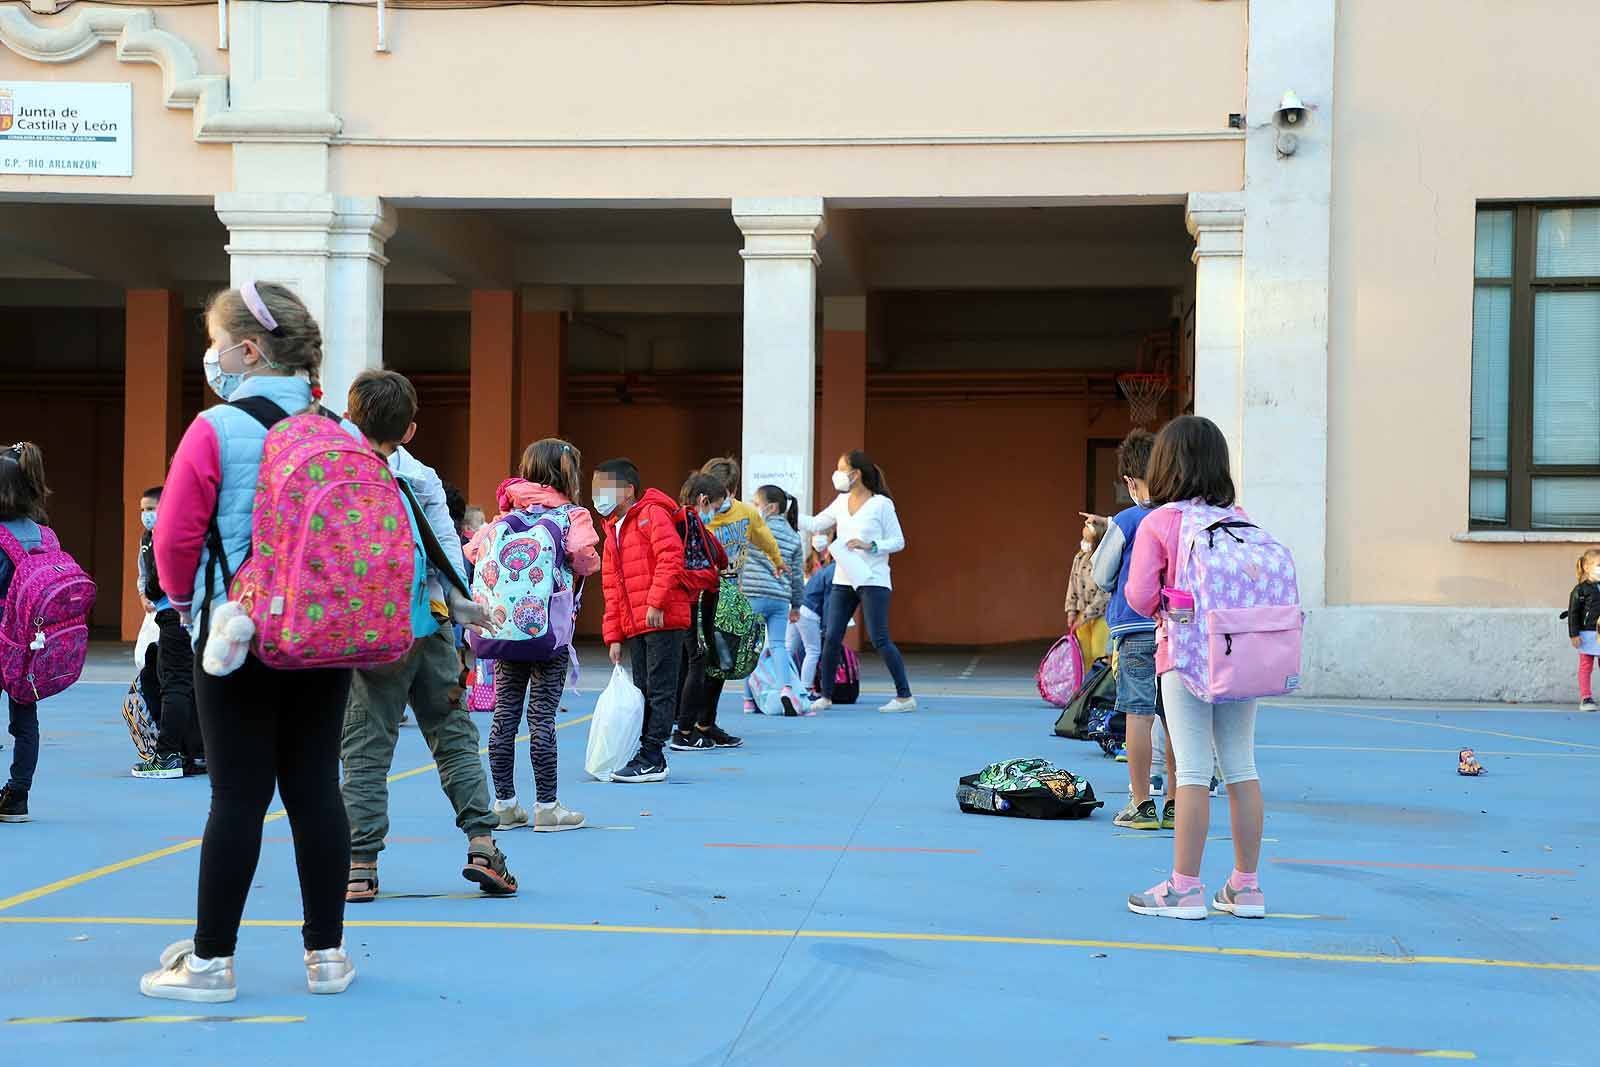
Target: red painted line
[1422, 866]
[285, 840]
[856, 848]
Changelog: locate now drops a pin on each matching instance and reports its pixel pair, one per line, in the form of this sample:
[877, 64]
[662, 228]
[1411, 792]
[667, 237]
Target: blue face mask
[605, 502]
[727, 502]
[148, 518]
[706, 517]
[223, 383]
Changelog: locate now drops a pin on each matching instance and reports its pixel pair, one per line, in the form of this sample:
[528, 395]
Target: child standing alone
[1583, 615]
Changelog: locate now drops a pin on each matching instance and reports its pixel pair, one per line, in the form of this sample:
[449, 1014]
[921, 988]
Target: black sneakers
[642, 769]
[691, 741]
[14, 805]
[721, 738]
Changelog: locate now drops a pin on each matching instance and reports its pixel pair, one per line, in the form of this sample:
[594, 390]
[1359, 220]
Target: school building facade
[940, 231]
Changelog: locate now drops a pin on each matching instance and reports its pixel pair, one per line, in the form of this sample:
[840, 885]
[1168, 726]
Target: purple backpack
[523, 581]
[1240, 637]
[44, 628]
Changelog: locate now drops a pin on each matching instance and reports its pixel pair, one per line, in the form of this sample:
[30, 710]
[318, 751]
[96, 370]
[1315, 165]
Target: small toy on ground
[1469, 764]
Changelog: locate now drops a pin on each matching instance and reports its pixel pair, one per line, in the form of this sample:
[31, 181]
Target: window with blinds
[1536, 368]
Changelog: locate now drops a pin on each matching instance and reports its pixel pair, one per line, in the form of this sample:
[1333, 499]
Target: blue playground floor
[817, 898]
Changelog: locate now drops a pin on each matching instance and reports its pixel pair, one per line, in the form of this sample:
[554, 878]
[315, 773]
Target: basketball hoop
[1144, 393]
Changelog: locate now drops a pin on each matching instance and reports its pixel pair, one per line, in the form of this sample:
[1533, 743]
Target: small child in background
[1583, 615]
[472, 520]
[1086, 601]
[805, 637]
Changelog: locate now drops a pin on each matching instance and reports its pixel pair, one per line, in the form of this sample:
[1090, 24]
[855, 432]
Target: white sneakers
[822, 704]
[899, 705]
[329, 970]
[183, 976]
[553, 817]
[513, 816]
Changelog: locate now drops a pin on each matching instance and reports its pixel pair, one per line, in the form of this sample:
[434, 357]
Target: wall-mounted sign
[784, 471]
[66, 128]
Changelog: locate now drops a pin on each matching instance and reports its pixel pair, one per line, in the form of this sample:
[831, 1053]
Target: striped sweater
[759, 577]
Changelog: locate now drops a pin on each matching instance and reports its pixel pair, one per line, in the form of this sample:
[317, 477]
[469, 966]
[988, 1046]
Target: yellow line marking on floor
[173, 850]
[1327, 1046]
[46, 1020]
[834, 935]
[1442, 726]
[1428, 751]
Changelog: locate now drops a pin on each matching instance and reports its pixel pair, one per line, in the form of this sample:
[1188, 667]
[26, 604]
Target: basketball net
[1144, 393]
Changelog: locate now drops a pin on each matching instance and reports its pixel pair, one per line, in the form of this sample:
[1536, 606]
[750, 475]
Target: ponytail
[871, 474]
[788, 506]
[22, 485]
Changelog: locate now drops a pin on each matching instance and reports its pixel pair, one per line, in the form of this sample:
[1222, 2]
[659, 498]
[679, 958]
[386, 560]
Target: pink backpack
[1232, 611]
[44, 628]
[333, 569]
[1060, 673]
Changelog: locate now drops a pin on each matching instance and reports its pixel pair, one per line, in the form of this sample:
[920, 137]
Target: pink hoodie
[515, 494]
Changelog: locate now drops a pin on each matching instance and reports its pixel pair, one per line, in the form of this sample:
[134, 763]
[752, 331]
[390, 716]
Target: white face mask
[605, 502]
[820, 542]
[148, 518]
[841, 481]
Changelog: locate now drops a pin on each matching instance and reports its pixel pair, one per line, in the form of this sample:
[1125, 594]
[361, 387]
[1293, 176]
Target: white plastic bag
[149, 634]
[614, 730]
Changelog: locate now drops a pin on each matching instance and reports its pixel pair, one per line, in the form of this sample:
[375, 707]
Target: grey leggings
[1194, 727]
[541, 685]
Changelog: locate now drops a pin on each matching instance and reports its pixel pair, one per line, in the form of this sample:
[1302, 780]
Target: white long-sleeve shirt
[877, 523]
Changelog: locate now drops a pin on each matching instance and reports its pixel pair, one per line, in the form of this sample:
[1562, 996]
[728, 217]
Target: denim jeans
[842, 602]
[775, 613]
[25, 753]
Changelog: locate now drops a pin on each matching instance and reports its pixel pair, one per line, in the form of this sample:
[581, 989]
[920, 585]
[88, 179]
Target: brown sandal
[487, 867]
[362, 888]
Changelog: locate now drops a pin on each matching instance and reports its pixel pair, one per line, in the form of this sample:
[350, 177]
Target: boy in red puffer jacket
[647, 605]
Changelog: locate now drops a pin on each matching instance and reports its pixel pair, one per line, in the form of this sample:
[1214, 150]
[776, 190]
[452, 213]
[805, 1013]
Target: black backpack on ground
[1027, 789]
[1098, 689]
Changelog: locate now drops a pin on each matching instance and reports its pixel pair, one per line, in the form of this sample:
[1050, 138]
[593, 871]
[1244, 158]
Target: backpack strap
[430, 541]
[12, 547]
[268, 413]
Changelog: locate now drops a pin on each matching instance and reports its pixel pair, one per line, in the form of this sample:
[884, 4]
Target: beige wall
[1499, 111]
[829, 72]
[166, 160]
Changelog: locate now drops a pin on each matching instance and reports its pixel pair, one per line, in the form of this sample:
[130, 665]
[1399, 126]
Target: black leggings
[266, 728]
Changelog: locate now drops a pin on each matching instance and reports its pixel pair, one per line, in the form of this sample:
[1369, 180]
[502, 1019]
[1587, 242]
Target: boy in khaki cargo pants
[383, 408]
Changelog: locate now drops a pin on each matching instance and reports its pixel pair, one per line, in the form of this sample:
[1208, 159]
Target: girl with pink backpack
[265, 727]
[45, 601]
[1226, 603]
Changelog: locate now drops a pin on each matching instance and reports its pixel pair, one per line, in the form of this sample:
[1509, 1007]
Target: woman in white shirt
[867, 533]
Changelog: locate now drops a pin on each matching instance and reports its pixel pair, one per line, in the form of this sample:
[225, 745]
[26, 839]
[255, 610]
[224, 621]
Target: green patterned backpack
[1028, 789]
[738, 634]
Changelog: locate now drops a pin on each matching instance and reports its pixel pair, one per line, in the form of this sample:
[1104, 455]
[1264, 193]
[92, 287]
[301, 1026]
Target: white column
[1217, 222]
[780, 342]
[329, 250]
[1285, 292]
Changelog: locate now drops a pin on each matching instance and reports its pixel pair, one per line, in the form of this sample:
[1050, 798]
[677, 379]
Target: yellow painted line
[1443, 726]
[173, 850]
[49, 1020]
[837, 935]
[1327, 1046]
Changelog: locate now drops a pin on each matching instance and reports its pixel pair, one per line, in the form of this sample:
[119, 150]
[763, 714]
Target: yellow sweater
[739, 527]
